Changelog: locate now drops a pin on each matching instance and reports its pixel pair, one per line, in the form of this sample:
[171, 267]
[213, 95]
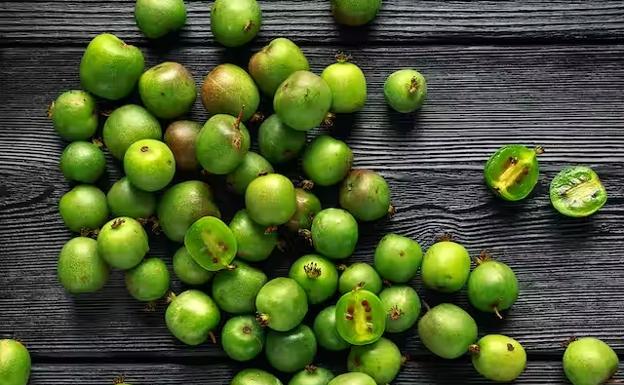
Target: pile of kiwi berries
[164, 187]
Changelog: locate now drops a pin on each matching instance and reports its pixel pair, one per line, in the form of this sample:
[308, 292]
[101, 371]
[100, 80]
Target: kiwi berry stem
[310, 368]
[342, 57]
[498, 314]
[539, 150]
[170, 297]
[262, 319]
[474, 349]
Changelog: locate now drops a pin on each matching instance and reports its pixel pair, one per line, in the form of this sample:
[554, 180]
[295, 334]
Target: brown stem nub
[306, 184]
[98, 142]
[446, 237]
[270, 230]
[262, 319]
[306, 234]
[49, 110]
[474, 349]
[341, 267]
[413, 87]
[484, 256]
[150, 306]
[312, 270]
[405, 358]
[395, 312]
[392, 211]
[342, 57]
[257, 118]
[568, 341]
[310, 368]
[498, 314]
[328, 121]
[539, 150]
[170, 297]
[231, 266]
[119, 379]
[117, 222]
[89, 233]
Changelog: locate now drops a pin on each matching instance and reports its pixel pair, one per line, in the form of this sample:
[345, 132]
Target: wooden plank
[415, 373]
[310, 22]
[567, 98]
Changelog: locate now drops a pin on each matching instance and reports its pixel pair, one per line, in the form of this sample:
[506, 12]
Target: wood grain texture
[565, 97]
[310, 22]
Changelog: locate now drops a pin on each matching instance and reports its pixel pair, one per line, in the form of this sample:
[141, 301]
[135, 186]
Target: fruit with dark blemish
[281, 304]
[446, 267]
[211, 243]
[447, 331]
[122, 243]
[126, 125]
[291, 350]
[14, 363]
[157, 18]
[110, 68]
[167, 90]
[334, 233]
[353, 378]
[149, 280]
[302, 101]
[308, 205]
[381, 360]
[271, 200]
[577, 192]
[512, 171]
[255, 243]
[83, 207]
[149, 164]
[192, 316]
[80, 268]
[405, 90]
[402, 306]
[354, 13]
[279, 143]
[228, 89]
[397, 258]
[492, 286]
[187, 270]
[316, 275]
[366, 195]
[252, 166]
[222, 144]
[74, 115]
[325, 330]
[275, 62]
[235, 22]
[360, 317]
[126, 200]
[326, 161]
[235, 288]
[359, 275]
[347, 83]
[181, 137]
[255, 377]
[242, 338]
[498, 358]
[312, 375]
[589, 361]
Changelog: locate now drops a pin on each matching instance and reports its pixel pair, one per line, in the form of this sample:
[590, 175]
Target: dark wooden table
[531, 72]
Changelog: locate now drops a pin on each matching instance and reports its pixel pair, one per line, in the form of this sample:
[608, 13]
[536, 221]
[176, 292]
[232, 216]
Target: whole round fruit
[181, 137]
[228, 89]
[326, 160]
[183, 204]
[302, 101]
[589, 361]
[80, 267]
[252, 166]
[168, 90]
[312, 375]
[235, 22]
[366, 195]
[191, 316]
[447, 331]
[446, 267]
[381, 360]
[281, 304]
[83, 208]
[222, 144]
[255, 377]
[354, 378]
[242, 338]
[316, 275]
[334, 233]
[275, 62]
[255, 244]
[308, 205]
[157, 18]
[211, 243]
[83, 162]
[74, 115]
[123, 243]
[125, 200]
[149, 280]
[397, 258]
[126, 125]
[402, 306]
[360, 275]
[405, 90]
[512, 171]
[577, 192]
[292, 350]
[498, 358]
[149, 164]
[360, 317]
[187, 270]
[348, 86]
[110, 68]
[279, 143]
[14, 363]
[354, 13]
[492, 286]
[235, 289]
[271, 200]
[325, 330]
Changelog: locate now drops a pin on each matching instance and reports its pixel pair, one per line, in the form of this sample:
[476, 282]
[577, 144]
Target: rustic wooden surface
[529, 72]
